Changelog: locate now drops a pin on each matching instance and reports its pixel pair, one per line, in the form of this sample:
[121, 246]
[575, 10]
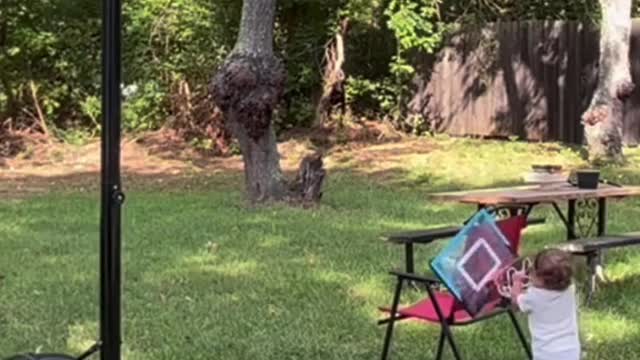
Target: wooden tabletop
[536, 194]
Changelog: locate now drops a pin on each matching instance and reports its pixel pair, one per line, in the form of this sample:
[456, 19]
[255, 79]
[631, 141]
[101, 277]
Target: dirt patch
[165, 160]
[56, 166]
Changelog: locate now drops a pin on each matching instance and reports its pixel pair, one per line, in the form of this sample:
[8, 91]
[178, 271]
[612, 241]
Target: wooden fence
[529, 79]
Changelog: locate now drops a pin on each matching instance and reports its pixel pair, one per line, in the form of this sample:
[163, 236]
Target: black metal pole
[112, 196]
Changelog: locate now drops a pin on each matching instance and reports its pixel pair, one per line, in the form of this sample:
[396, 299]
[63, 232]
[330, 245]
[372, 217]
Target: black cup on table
[588, 179]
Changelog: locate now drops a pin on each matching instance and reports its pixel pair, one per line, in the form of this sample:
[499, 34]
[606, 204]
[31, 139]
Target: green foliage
[55, 44]
[415, 24]
[371, 98]
[417, 29]
[59, 54]
[303, 28]
[75, 135]
[168, 41]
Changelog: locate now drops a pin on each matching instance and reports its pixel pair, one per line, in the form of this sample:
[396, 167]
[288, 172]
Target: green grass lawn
[208, 278]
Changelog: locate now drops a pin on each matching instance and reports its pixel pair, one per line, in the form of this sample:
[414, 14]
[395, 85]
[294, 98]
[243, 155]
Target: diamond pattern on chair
[472, 259]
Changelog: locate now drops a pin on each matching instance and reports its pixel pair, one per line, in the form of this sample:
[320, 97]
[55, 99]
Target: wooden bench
[592, 249]
[409, 238]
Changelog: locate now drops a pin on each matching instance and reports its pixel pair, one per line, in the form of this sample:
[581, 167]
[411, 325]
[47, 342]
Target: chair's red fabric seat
[425, 310]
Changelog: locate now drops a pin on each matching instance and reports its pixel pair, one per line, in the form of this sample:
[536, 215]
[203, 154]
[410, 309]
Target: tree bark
[333, 89]
[247, 89]
[603, 119]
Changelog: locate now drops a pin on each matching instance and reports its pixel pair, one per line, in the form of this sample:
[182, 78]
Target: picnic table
[585, 207]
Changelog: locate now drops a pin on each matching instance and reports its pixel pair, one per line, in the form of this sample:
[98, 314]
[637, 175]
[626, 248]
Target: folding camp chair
[441, 307]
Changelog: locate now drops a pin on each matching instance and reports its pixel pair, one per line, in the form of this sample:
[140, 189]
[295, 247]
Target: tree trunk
[333, 89]
[247, 89]
[603, 119]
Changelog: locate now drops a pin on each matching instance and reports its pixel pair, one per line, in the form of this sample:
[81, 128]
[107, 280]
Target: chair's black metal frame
[112, 195]
[445, 323]
[412, 279]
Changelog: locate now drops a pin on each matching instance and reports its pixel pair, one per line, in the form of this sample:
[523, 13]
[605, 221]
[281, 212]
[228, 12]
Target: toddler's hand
[519, 282]
[520, 278]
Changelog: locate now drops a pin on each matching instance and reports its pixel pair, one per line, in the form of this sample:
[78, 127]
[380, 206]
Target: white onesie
[553, 323]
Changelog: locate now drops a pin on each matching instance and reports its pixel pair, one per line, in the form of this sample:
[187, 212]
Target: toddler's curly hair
[553, 268]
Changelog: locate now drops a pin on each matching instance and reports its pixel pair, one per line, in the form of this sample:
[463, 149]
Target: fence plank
[534, 83]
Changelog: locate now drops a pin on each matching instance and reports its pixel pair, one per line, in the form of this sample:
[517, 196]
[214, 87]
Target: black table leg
[408, 254]
[571, 220]
[602, 216]
[410, 264]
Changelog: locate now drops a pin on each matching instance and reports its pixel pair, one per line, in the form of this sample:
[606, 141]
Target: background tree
[248, 88]
[170, 47]
[333, 89]
[603, 118]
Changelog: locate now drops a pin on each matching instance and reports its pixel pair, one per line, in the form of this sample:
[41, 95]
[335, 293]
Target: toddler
[550, 303]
